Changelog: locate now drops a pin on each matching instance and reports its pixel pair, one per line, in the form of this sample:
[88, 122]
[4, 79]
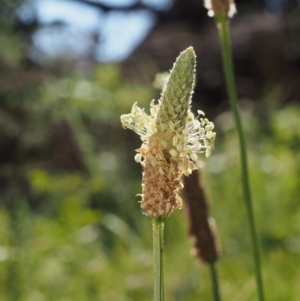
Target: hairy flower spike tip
[172, 137]
[216, 7]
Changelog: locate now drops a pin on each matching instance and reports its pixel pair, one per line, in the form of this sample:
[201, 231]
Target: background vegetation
[70, 222]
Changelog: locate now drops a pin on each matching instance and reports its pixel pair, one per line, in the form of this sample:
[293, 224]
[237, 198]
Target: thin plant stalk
[172, 138]
[214, 280]
[223, 28]
[202, 229]
[158, 258]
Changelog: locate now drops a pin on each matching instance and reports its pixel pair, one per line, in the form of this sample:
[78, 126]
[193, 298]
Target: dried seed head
[202, 228]
[172, 137]
[161, 182]
[216, 7]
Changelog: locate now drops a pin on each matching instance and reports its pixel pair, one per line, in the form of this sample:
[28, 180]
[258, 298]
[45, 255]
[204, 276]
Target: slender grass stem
[158, 258]
[214, 281]
[223, 28]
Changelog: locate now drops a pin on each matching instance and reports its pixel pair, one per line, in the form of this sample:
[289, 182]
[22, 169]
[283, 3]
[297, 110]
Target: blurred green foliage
[70, 223]
[77, 250]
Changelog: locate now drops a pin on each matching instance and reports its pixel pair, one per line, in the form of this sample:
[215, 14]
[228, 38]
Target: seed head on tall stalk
[222, 11]
[172, 137]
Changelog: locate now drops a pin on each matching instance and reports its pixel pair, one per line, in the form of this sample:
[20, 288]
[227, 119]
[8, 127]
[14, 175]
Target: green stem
[214, 281]
[158, 259]
[223, 27]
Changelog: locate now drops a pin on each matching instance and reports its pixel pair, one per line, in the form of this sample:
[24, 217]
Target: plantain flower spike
[172, 137]
[217, 7]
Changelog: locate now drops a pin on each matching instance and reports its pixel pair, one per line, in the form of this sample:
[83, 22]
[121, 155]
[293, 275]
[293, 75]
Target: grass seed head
[217, 7]
[172, 137]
